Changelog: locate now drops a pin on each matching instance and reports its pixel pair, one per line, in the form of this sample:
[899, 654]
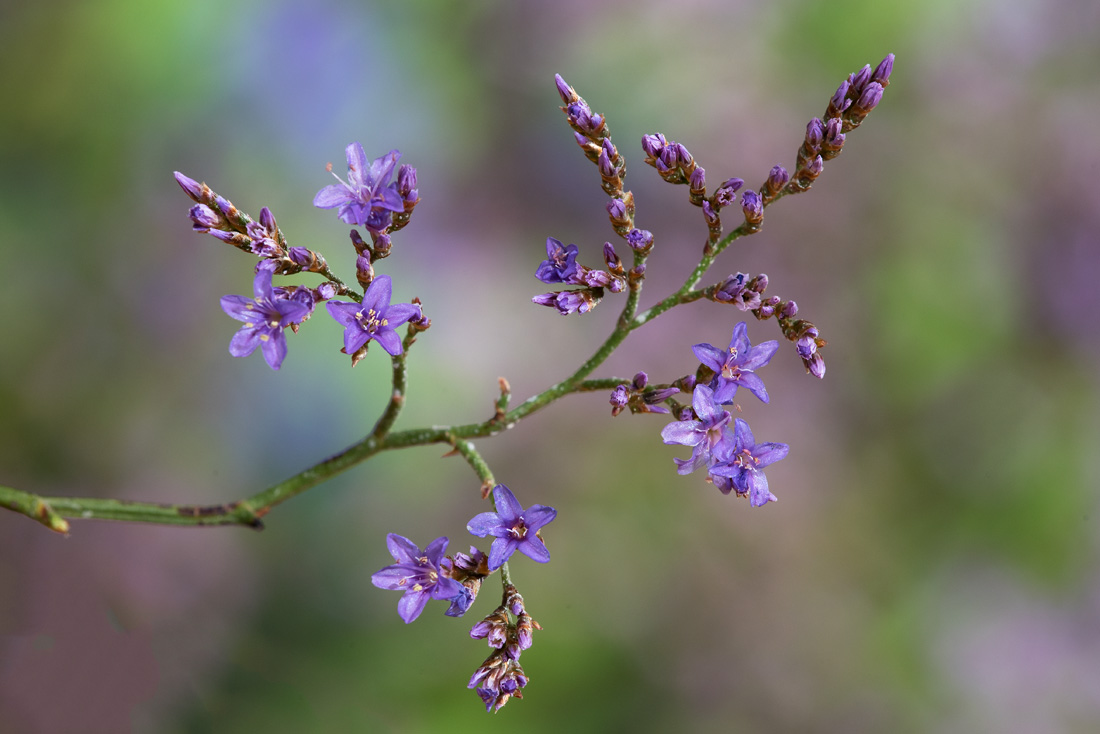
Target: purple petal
[484, 524]
[759, 495]
[447, 588]
[725, 391]
[399, 313]
[760, 355]
[389, 340]
[708, 411]
[332, 196]
[357, 163]
[435, 550]
[343, 312]
[685, 433]
[537, 516]
[354, 339]
[501, 550]
[508, 507]
[382, 167]
[378, 294]
[699, 457]
[241, 308]
[261, 285]
[751, 382]
[740, 339]
[412, 604]
[769, 453]
[710, 355]
[395, 577]
[388, 198]
[743, 435]
[402, 549]
[244, 342]
[534, 548]
[292, 311]
[274, 348]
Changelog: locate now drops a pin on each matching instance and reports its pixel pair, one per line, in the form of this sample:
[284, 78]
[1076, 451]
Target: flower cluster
[431, 575]
[733, 460]
[367, 198]
[380, 195]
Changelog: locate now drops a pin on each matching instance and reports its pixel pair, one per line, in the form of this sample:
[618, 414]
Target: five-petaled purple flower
[374, 318]
[707, 435]
[735, 366]
[744, 462]
[367, 196]
[419, 575]
[265, 317]
[560, 265]
[513, 528]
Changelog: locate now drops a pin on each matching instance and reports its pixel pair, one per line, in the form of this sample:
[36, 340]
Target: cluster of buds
[216, 216]
[594, 137]
[641, 398]
[561, 266]
[468, 570]
[366, 254]
[509, 631]
[671, 159]
[410, 196]
[740, 290]
[806, 338]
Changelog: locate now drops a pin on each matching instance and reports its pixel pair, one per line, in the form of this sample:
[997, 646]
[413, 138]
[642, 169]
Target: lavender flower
[513, 528]
[419, 575]
[264, 317]
[367, 195]
[374, 318]
[735, 290]
[560, 265]
[744, 462]
[705, 435]
[736, 366]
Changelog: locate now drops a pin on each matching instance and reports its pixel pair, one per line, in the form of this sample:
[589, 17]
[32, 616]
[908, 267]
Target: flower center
[371, 321]
[518, 531]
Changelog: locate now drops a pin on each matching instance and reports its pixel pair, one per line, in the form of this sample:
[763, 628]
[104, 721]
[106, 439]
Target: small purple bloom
[815, 134]
[419, 575]
[368, 193]
[871, 96]
[706, 435]
[264, 317]
[881, 74]
[653, 144]
[564, 90]
[374, 318]
[735, 290]
[744, 464]
[512, 528]
[753, 206]
[859, 79]
[204, 218]
[640, 240]
[736, 366]
[560, 265]
[190, 186]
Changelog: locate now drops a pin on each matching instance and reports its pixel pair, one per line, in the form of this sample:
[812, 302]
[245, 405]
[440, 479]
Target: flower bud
[640, 240]
[203, 217]
[653, 144]
[190, 186]
[881, 74]
[568, 96]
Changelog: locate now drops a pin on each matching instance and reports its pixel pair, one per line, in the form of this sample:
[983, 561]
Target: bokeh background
[932, 564]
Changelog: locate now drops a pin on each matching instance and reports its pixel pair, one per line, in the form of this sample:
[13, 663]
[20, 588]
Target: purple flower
[368, 193]
[736, 366]
[706, 435]
[264, 317]
[417, 574]
[560, 265]
[743, 464]
[374, 318]
[513, 528]
[735, 290]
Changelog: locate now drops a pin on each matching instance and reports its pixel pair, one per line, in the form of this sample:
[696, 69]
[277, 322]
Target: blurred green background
[932, 564]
